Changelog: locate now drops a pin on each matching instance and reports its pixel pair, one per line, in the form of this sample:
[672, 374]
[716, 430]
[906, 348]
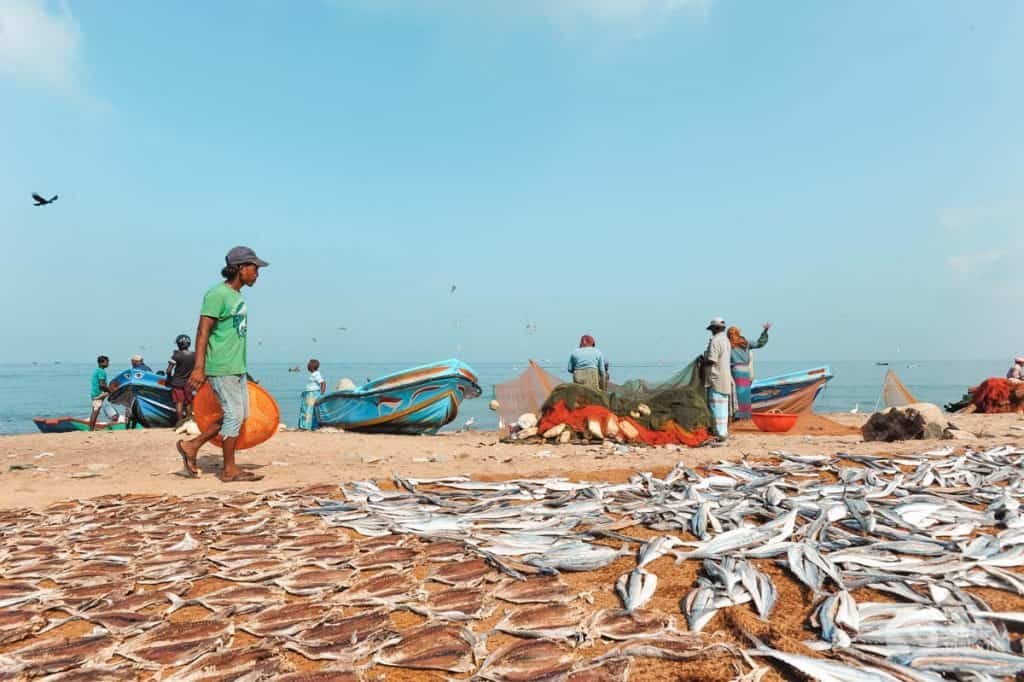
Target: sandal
[191, 470]
[241, 477]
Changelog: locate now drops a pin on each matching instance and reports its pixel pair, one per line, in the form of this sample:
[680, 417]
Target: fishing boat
[793, 393]
[69, 424]
[146, 396]
[413, 401]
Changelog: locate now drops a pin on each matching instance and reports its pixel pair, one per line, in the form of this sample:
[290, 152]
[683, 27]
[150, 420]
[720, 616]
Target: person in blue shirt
[587, 365]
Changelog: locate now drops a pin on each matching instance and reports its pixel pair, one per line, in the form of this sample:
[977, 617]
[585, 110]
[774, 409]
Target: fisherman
[586, 365]
[139, 364]
[1016, 371]
[99, 389]
[718, 377]
[179, 366]
[221, 358]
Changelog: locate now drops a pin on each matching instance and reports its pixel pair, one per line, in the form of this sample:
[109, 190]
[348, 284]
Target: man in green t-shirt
[98, 390]
[220, 359]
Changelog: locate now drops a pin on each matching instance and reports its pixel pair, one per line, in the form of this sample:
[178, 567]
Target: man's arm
[198, 376]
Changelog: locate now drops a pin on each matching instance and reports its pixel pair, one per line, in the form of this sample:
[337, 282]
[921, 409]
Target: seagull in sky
[41, 200]
[453, 289]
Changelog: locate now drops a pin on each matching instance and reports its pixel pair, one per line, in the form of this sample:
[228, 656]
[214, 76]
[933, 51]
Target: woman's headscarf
[1018, 360]
[736, 338]
[587, 341]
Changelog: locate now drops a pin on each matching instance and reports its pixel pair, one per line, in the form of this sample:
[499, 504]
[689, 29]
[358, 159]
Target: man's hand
[197, 378]
[767, 326]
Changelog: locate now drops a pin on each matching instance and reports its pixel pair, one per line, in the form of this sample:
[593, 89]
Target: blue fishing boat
[146, 396]
[792, 393]
[416, 400]
[69, 424]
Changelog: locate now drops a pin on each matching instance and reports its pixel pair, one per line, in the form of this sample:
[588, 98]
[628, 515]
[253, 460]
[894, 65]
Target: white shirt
[315, 379]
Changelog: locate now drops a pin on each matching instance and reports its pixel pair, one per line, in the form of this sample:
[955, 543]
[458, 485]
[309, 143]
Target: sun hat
[240, 255]
[716, 322]
[136, 358]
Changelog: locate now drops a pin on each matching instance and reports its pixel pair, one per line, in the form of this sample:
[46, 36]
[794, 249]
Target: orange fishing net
[669, 434]
[992, 395]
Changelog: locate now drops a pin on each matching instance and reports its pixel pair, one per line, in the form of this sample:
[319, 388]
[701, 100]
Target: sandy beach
[110, 478]
[82, 465]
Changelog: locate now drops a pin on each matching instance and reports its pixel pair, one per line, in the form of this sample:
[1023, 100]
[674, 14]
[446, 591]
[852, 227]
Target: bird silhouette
[453, 289]
[856, 409]
[41, 200]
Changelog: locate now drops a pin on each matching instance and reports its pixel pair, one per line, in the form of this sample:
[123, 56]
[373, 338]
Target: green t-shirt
[99, 378]
[225, 352]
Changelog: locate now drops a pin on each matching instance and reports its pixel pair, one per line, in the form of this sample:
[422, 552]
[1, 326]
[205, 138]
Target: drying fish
[285, 619]
[535, 659]
[545, 621]
[314, 581]
[348, 631]
[255, 571]
[621, 624]
[56, 655]
[15, 593]
[92, 672]
[121, 623]
[231, 600]
[340, 675]
[607, 670]
[456, 603]
[17, 624]
[464, 573]
[675, 647]
[443, 550]
[577, 556]
[174, 644]
[699, 607]
[432, 647]
[536, 590]
[656, 548]
[636, 588]
[398, 558]
[254, 662]
[389, 587]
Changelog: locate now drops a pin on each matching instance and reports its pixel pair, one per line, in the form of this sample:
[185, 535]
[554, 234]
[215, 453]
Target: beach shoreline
[39, 469]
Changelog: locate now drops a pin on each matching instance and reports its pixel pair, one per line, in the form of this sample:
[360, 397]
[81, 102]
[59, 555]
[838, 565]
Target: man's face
[104, 364]
[249, 273]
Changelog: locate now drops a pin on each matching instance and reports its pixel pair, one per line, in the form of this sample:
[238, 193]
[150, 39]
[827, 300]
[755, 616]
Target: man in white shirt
[718, 377]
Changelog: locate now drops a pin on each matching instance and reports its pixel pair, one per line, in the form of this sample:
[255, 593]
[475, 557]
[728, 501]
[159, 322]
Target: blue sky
[625, 168]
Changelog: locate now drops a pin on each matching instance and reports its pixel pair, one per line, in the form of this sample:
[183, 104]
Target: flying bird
[314, 339]
[453, 289]
[41, 200]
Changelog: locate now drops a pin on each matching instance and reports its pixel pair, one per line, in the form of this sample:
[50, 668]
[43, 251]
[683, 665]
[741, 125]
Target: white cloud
[39, 43]
[967, 263]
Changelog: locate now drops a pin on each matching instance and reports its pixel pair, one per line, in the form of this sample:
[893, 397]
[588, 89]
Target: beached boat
[793, 393]
[147, 397]
[416, 400]
[69, 424]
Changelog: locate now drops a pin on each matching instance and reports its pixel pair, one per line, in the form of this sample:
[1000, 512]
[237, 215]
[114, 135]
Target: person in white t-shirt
[315, 387]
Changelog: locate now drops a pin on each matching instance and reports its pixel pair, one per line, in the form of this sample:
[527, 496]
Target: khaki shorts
[97, 402]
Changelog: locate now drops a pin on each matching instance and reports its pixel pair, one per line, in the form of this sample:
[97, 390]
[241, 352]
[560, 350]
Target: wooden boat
[146, 396]
[794, 392]
[416, 400]
[69, 424]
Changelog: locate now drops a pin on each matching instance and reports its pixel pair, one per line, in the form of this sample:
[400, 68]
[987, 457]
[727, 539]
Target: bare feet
[188, 457]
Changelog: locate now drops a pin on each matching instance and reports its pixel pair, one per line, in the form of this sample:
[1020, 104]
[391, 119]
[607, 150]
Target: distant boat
[794, 392]
[69, 424]
[413, 401]
[147, 397]
[882, 364]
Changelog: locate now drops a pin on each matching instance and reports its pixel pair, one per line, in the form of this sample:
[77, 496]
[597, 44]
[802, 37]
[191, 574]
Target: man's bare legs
[189, 449]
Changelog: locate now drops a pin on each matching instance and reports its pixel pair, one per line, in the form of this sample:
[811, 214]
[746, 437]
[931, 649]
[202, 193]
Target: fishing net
[526, 393]
[991, 396]
[672, 411]
[894, 393]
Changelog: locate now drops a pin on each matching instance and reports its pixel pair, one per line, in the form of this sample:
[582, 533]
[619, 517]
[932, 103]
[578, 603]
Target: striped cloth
[719, 404]
[307, 413]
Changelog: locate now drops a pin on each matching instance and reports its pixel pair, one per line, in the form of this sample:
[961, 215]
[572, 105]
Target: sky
[851, 172]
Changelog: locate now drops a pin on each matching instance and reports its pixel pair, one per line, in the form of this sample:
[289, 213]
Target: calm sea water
[27, 390]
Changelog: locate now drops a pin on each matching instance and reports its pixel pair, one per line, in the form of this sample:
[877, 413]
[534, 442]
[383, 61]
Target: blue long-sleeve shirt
[586, 358]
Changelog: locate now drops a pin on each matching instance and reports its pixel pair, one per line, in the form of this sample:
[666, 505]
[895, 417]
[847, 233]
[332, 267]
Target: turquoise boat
[413, 401]
[145, 396]
[69, 424]
[792, 393]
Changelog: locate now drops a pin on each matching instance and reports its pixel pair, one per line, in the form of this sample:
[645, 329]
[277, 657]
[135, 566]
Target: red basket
[774, 422]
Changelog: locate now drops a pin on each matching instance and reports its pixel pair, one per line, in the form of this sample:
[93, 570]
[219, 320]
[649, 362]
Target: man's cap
[716, 322]
[136, 358]
[1019, 360]
[240, 255]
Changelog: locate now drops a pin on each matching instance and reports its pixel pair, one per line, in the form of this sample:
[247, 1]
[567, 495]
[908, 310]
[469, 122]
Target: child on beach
[179, 367]
[315, 387]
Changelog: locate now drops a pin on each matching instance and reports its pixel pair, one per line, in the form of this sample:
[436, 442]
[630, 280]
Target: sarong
[719, 405]
[741, 376]
[307, 413]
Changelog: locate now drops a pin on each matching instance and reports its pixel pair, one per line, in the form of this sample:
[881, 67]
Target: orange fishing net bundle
[992, 395]
[669, 434]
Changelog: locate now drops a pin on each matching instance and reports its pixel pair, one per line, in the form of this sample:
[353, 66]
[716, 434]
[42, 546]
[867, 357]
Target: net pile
[526, 393]
[672, 412]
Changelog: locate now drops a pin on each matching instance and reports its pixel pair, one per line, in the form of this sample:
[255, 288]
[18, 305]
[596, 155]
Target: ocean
[58, 389]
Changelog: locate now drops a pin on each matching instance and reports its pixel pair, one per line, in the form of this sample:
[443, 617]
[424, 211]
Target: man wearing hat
[1016, 371]
[221, 359]
[140, 364]
[718, 377]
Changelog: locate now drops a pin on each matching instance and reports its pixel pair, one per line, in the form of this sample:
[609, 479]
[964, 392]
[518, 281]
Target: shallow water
[29, 390]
